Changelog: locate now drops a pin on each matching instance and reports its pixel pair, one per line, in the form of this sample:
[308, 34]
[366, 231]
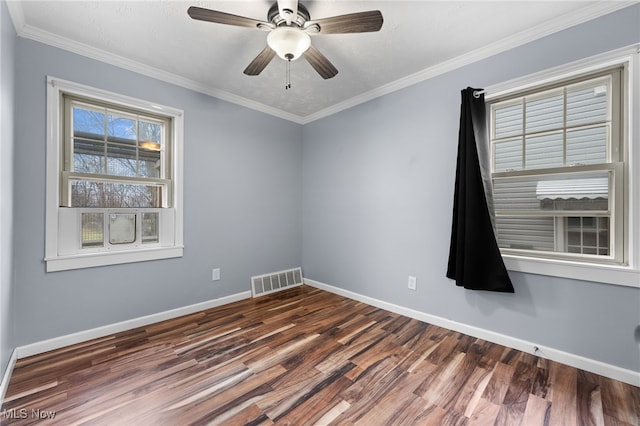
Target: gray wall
[378, 195]
[7, 45]
[242, 204]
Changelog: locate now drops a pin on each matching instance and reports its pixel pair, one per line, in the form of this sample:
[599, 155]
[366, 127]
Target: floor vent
[275, 281]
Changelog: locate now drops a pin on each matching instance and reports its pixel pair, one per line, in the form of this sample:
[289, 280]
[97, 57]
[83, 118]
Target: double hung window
[116, 166]
[558, 169]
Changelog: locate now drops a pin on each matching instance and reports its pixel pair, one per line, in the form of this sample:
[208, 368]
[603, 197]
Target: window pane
[508, 121]
[526, 233]
[121, 128]
[545, 114]
[149, 163]
[108, 194]
[88, 156]
[586, 106]
[88, 140]
[544, 151]
[587, 146]
[88, 122]
[150, 132]
[121, 160]
[508, 155]
[122, 228]
[516, 194]
[558, 192]
[150, 227]
[92, 230]
[150, 149]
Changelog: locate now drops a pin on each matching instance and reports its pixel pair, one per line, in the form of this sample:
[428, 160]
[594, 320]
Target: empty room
[319, 212]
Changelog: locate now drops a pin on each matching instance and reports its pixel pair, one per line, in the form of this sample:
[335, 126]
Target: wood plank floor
[306, 357]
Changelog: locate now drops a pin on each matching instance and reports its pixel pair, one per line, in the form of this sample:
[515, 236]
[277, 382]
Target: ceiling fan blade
[320, 63]
[288, 10]
[359, 22]
[260, 62]
[209, 15]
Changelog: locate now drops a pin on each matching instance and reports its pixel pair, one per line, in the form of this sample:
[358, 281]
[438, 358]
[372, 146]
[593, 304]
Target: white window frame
[626, 274]
[62, 251]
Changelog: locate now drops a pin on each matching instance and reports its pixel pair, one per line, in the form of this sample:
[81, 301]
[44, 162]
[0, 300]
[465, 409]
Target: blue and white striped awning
[590, 188]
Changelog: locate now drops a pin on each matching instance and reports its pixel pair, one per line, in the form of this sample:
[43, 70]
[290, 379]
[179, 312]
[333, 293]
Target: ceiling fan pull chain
[287, 83]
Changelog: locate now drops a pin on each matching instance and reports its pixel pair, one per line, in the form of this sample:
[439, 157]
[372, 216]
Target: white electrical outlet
[215, 274]
[412, 283]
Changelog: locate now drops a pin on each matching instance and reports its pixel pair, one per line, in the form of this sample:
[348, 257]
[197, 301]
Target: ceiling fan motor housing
[274, 17]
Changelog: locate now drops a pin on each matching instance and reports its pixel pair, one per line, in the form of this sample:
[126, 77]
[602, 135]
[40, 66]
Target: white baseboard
[4, 385]
[83, 336]
[598, 367]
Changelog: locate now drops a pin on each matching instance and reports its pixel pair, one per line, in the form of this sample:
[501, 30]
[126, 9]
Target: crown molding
[29, 32]
[560, 23]
[550, 27]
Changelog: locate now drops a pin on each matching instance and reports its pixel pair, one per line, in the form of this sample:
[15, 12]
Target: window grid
[121, 154]
[588, 235]
[564, 129]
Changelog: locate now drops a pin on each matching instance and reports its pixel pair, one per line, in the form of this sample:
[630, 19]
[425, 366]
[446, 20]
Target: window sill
[64, 263]
[609, 274]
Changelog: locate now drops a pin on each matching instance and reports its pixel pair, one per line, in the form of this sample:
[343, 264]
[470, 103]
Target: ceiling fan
[290, 26]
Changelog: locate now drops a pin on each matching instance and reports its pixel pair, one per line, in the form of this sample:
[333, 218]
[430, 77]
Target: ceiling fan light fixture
[289, 43]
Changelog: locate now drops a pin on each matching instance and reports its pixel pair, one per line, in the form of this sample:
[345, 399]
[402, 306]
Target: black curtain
[475, 261]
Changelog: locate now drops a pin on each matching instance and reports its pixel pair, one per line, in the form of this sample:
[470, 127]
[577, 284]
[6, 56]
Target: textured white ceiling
[417, 39]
